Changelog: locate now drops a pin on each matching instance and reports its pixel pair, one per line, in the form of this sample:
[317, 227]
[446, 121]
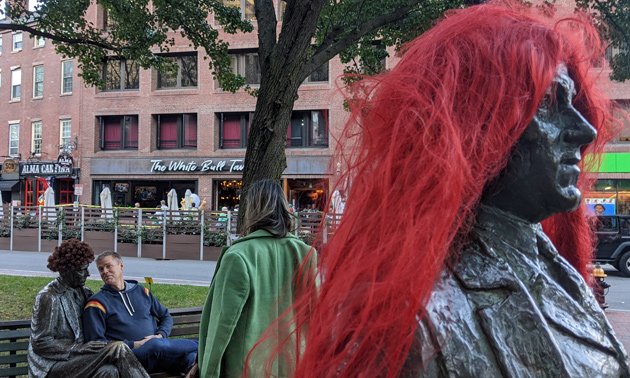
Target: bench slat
[12, 359]
[184, 331]
[14, 371]
[13, 346]
[15, 324]
[17, 334]
[185, 319]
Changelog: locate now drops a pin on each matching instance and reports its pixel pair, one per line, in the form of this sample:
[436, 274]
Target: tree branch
[610, 20]
[266, 16]
[333, 46]
[58, 38]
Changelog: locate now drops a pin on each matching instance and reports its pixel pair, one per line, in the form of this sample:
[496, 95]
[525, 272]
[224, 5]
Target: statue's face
[76, 277]
[540, 179]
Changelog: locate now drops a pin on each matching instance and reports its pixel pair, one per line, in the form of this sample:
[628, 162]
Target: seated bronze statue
[464, 246]
[56, 347]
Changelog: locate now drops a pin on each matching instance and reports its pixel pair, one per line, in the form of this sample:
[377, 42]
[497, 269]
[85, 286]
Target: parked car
[613, 242]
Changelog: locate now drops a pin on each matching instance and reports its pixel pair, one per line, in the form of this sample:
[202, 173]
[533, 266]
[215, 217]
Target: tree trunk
[265, 156]
[282, 66]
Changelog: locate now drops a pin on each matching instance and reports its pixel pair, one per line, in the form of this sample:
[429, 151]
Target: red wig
[432, 134]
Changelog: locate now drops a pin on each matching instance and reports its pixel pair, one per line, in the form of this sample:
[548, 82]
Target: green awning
[615, 162]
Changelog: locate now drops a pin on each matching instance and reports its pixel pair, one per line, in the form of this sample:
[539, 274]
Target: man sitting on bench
[124, 310]
[56, 347]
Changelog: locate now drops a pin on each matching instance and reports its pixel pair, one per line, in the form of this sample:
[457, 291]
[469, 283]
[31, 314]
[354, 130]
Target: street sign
[78, 189]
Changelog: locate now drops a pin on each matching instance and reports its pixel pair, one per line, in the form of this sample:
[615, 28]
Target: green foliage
[24, 220]
[139, 30]
[130, 234]
[613, 17]
[215, 238]
[364, 55]
[17, 294]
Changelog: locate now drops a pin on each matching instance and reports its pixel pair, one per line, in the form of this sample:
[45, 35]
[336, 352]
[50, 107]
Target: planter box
[25, 239]
[48, 244]
[185, 247]
[153, 251]
[128, 249]
[211, 253]
[5, 243]
[100, 241]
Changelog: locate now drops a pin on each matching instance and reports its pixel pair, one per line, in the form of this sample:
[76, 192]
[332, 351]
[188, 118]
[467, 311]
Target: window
[319, 75]
[119, 132]
[0, 39]
[246, 65]
[66, 190]
[120, 74]
[66, 77]
[38, 41]
[14, 139]
[16, 84]
[176, 131]
[246, 7]
[38, 81]
[308, 129]
[233, 129]
[108, 21]
[36, 138]
[65, 133]
[17, 41]
[182, 74]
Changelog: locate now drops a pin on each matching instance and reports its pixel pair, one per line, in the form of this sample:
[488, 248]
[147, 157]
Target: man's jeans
[172, 355]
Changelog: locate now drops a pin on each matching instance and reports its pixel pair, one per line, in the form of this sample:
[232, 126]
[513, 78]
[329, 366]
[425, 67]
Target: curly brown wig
[70, 255]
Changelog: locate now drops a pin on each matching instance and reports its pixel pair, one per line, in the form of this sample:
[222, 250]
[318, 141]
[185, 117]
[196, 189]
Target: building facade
[40, 105]
[147, 132]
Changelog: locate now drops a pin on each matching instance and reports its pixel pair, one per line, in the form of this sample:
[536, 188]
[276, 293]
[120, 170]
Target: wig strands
[432, 134]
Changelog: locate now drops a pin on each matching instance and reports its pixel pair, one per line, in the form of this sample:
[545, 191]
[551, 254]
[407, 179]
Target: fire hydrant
[600, 287]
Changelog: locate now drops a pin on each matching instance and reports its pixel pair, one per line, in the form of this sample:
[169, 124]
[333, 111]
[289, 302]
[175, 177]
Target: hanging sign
[10, 166]
[45, 169]
[201, 166]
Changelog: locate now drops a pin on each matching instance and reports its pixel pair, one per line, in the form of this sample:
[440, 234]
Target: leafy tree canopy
[141, 30]
[357, 30]
[614, 22]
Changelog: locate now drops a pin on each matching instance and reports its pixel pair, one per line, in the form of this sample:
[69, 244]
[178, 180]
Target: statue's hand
[91, 347]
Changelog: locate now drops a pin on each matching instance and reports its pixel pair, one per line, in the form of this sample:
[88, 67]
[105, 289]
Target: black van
[613, 244]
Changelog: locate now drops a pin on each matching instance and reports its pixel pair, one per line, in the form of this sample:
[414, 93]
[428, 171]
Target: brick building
[147, 132]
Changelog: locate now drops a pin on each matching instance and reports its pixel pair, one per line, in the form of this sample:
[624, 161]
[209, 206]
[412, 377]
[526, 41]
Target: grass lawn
[17, 295]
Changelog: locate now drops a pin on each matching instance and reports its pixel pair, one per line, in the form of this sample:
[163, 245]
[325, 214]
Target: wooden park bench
[14, 335]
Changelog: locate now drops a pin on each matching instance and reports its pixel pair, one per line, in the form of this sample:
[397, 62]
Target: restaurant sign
[201, 166]
[45, 169]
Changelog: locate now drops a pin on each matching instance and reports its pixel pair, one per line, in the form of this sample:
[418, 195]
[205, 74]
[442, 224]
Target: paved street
[200, 273]
[618, 297]
[163, 271]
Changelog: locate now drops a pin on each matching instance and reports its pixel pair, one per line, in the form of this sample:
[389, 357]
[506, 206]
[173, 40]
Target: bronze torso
[55, 328]
[513, 307]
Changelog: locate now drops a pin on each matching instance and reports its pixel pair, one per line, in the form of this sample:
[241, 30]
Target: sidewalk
[620, 321]
[198, 273]
[182, 272]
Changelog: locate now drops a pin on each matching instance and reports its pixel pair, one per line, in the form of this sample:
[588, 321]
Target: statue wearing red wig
[465, 146]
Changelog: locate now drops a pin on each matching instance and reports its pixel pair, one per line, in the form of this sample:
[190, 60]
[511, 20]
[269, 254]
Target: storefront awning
[7, 185]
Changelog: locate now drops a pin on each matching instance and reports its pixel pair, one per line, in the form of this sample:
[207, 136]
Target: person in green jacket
[252, 287]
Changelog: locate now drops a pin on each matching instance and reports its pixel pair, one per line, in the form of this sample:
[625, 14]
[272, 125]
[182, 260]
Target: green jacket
[251, 287]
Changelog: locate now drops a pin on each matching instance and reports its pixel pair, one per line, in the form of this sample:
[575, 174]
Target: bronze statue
[56, 347]
[511, 305]
[464, 246]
